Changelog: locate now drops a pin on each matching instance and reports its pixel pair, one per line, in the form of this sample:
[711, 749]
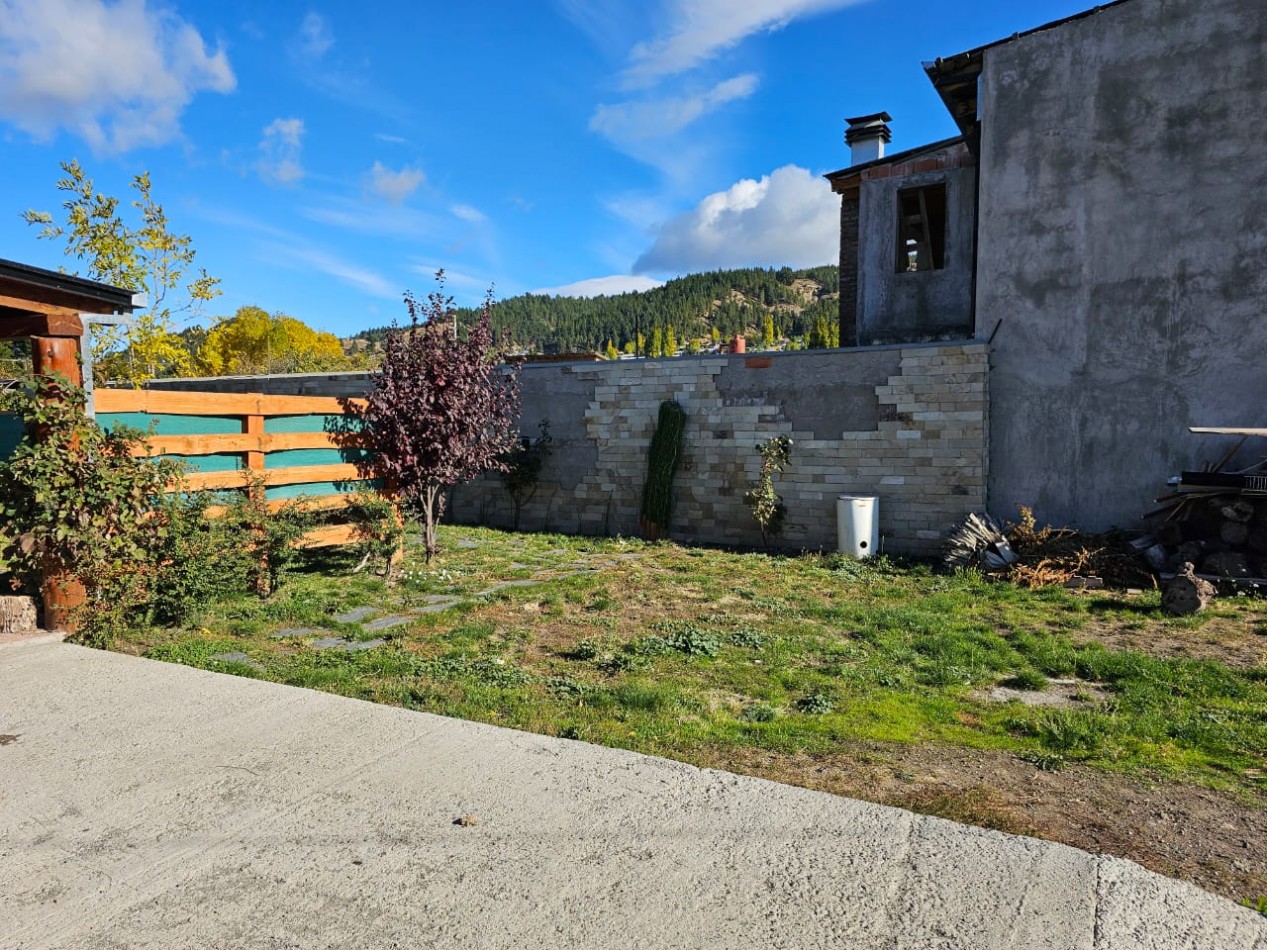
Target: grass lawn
[869, 679]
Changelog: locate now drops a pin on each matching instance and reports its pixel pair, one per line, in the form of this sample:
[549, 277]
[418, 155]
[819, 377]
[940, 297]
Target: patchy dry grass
[755, 662]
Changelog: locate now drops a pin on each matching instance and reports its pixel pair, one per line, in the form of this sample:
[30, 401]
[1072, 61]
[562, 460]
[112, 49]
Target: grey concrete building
[1102, 218]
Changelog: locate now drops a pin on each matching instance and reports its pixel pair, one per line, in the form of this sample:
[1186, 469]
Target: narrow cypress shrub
[662, 461]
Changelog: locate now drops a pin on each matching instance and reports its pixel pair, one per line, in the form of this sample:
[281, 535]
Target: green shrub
[82, 503]
[767, 507]
[662, 460]
[380, 531]
[816, 704]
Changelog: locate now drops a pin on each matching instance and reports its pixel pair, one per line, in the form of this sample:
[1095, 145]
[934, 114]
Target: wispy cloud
[601, 286]
[366, 217]
[119, 75]
[315, 36]
[297, 252]
[280, 151]
[395, 186]
[307, 257]
[468, 213]
[344, 78]
[787, 217]
[698, 30]
[391, 139]
[629, 122]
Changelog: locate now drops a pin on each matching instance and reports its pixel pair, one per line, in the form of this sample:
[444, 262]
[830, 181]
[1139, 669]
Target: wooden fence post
[253, 425]
[61, 592]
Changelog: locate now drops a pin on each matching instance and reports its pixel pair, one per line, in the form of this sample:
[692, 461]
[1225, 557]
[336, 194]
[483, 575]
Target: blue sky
[327, 156]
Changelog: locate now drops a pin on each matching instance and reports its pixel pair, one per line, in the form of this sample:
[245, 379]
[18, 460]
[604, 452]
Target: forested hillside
[692, 307]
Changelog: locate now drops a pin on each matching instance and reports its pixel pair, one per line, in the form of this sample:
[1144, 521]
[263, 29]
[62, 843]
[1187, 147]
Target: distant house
[1102, 218]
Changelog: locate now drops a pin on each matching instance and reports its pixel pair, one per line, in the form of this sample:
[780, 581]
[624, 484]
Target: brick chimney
[866, 137]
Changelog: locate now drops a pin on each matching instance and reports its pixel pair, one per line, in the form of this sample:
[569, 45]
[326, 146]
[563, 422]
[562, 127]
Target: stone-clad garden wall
[906, 423]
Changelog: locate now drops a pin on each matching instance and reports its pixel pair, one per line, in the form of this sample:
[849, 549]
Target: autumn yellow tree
[148, 257]
[254, 342]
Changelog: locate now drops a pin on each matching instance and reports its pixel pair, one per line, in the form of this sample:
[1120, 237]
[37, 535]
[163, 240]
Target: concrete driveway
[149, 805]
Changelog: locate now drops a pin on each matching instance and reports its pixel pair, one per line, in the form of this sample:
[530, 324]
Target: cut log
[1234, 533]
[1238, 510]
[17, 615]
[1226, 564]
[1185, 593]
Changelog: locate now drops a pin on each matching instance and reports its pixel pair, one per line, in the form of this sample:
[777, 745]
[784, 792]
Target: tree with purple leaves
[441, 408]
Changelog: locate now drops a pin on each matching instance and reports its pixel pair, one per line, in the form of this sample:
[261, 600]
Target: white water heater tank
[858, 525]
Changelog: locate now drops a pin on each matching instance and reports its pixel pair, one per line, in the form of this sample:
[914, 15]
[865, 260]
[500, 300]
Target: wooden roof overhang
[42, 303]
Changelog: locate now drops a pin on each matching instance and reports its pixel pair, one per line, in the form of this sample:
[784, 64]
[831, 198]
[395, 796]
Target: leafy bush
[766, 504]
[272, 534]
[199, 560]
[685, 637]
[82, 504]
[523, 468]
[816, 704]
[759, 712]
[380, 532]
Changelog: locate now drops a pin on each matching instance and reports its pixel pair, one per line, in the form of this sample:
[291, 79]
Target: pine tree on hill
[716, 304]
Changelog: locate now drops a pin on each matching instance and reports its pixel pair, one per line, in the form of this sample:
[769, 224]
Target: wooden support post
[253, 424]
[61, 593]
[57, 354]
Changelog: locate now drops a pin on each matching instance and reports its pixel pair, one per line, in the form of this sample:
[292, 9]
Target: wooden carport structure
[50, 308]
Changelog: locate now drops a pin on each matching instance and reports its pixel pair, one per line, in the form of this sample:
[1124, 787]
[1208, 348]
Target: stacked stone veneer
[905, 423]
[920, 444]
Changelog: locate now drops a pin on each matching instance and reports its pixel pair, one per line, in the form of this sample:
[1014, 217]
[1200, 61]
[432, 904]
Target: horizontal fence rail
[298, 447]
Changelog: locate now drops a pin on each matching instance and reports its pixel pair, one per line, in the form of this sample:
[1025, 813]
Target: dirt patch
[1198, 835]
[1059, 694]
[1232, 642]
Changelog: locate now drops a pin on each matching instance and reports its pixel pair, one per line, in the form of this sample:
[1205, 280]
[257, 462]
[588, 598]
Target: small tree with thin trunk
[440, 409]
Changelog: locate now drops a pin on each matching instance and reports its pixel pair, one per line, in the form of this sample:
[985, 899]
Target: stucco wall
[905, 423]
[896, 307]
[1123, 243]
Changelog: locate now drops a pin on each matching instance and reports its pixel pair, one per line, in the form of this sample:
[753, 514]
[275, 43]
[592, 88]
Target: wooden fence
[298, 445]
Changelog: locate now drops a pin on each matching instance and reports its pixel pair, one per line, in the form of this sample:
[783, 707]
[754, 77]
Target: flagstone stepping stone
[325, 643]
[467, 543]
[356, 615]
[441, 598]
[438, 605]
[352, 646]
[237, 656]
[386, 623]
[503, 585]
[295, 632]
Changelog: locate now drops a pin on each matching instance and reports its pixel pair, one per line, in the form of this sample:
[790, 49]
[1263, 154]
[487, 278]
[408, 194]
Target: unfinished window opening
[921, 228]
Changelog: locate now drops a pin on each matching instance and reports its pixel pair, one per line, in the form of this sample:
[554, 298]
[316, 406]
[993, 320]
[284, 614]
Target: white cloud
[630, 122]
[392, 139]
[315, 38]
[300, 257]
[367, 217]
[119, 75]
[468, 213]
[601, 286]
[280, 148]
[395, 186]
[700, 29]
[788, 217]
